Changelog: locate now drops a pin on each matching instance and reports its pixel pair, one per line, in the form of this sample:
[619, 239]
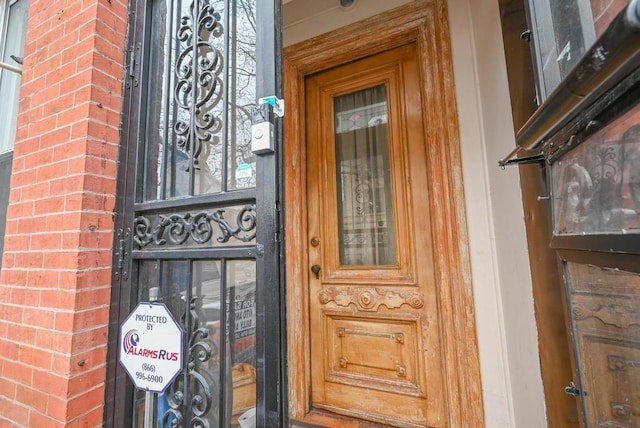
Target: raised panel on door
[374, 328]
[605, 318]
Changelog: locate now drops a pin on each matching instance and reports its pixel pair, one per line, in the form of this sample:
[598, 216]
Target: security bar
[10, 67]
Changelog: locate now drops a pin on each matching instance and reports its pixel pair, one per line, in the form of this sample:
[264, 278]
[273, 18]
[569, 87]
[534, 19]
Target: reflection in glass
[605, 316]
[168, 281]
[241, 333]
[197, 110]
[14, 35]
[563, 31]
[596, 186]
[211, 357]
[365, 206]
[242, 94]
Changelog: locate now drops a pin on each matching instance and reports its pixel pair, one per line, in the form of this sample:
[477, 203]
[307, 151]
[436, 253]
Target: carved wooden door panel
[374, 328]
[606, 325]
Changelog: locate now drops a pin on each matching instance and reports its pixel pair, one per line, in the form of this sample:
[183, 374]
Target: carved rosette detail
[369, 298]
[579, 312]
[416, 301]
[324, 297]
[178, 228]
[366, 299]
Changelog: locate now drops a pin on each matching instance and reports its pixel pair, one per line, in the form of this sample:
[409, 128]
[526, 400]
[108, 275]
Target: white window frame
[5, 67]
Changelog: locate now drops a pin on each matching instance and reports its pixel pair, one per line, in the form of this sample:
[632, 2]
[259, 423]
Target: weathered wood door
[374, 325]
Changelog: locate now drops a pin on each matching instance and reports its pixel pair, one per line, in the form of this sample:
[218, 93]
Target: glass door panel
[365, 203]
[209, 339]
[200, 87]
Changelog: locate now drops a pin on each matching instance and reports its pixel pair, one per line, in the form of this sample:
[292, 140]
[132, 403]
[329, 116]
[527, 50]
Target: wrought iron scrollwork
[178, 228]
[606, 166]
[191, 396]
[199, 86]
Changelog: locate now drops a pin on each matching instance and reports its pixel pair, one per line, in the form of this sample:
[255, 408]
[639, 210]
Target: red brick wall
[55, 281]
[604, 11]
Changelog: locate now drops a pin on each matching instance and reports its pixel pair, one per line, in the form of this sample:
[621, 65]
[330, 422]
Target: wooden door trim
[425, 23]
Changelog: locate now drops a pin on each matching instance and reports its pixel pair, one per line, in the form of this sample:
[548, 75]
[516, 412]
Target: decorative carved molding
[401, 369]
[369, 298]
[620, 311]
[623, 387]
[197, 226]
[343, 362]
[618, 364]
[620, 410]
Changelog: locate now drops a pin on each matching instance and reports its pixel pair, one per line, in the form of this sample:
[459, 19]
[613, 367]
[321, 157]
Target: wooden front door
[380, 318]
[374, 326]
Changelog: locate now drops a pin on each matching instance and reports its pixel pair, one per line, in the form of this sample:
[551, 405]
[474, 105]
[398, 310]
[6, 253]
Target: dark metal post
[271, 409]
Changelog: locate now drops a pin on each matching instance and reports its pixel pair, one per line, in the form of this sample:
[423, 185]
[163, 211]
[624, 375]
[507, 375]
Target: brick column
[55, 281]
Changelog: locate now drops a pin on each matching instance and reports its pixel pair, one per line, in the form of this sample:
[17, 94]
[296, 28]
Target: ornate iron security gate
[197, 214]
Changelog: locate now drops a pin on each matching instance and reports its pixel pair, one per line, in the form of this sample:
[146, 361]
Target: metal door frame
[268, 251]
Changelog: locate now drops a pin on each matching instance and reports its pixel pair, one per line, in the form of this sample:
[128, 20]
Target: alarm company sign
[150, 347]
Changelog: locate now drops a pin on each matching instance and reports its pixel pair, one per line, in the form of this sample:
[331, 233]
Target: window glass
[12, 43]
[563, 31]
[365, 211]
[596, 186]
[220, 328]
[186, 148]
[13, 26]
